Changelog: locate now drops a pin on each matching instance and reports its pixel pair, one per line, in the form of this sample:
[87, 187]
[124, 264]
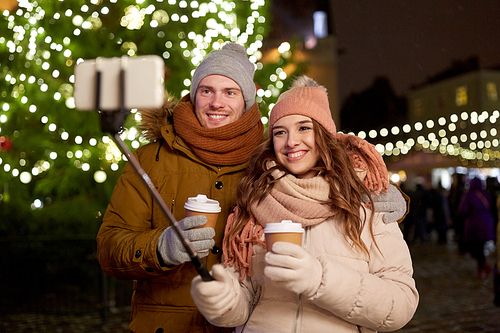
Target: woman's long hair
[346, 188]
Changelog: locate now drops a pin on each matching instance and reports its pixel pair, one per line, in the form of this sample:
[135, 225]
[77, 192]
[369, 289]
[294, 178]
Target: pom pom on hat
[307, 98]
[230, 61]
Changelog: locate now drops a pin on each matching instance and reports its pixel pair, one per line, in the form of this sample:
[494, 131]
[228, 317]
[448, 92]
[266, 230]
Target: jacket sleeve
[383, 299]
[126, 241]
[245, 298]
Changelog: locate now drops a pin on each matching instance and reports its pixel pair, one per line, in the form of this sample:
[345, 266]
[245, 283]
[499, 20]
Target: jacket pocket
[150, 318]
[158, 217]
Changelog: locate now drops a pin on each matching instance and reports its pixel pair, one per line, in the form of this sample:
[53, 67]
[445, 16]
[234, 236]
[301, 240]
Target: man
[199, 146]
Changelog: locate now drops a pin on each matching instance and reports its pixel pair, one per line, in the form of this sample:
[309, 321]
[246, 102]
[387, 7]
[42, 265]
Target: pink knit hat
[306, 98]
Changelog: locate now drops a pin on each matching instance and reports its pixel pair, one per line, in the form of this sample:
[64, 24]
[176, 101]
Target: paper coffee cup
[286, 231]
[201, 205]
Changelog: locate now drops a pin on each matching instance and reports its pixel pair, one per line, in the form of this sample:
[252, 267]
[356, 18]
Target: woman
[479, 225]
[353, 272]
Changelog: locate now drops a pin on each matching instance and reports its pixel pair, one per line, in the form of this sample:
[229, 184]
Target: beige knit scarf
[227, 145]
[300, 200]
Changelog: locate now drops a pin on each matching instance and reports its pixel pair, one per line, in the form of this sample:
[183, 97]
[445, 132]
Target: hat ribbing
[230, 61]
[305, 98]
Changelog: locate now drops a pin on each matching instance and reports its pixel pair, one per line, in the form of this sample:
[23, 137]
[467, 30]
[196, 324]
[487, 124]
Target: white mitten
[215, 298]
[291, 267]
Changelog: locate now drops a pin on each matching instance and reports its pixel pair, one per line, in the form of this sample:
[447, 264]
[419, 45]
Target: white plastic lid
[202, 204]
[283, 226]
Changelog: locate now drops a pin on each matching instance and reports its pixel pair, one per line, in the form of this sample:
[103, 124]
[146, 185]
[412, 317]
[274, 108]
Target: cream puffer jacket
[357, 293]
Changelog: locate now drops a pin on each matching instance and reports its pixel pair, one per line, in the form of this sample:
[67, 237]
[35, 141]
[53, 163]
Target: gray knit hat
[230, 61]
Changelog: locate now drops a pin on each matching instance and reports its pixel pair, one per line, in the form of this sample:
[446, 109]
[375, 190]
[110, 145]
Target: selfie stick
[112, 122]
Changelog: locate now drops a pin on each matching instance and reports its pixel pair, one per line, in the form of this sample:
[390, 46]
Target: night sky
[407, 41]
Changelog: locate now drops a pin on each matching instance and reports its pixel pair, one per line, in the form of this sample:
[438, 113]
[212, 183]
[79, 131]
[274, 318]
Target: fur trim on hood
[154, 119]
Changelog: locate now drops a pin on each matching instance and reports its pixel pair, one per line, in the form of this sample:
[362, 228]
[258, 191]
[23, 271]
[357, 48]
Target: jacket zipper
[298, 315]
[180, 144]
[254, 305]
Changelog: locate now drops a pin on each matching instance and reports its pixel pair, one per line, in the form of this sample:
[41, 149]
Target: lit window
[461, 96]
[491, 90]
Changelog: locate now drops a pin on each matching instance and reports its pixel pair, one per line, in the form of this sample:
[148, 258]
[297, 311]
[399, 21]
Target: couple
[355, 270]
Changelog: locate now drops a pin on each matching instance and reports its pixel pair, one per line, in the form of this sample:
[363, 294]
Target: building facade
[456, 120]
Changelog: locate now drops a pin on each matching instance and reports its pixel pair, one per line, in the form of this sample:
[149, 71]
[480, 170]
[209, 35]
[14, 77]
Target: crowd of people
[470, 209]
[430, 212]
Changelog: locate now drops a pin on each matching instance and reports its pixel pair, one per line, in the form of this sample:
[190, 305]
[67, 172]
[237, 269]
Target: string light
[30, 43]
[476, 147]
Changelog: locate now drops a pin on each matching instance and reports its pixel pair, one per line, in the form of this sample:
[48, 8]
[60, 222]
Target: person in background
[479, 228]
[352, 273]
[419, 204]
[493, 187]
[441, 219]
[496, 272]
[456, 192]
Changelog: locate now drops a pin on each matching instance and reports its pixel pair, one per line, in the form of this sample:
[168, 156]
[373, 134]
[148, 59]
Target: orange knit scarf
[227, 145]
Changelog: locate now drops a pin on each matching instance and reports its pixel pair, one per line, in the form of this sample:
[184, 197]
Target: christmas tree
[57, 169]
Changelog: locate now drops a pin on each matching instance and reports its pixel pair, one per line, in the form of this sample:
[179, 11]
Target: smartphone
[143, 83]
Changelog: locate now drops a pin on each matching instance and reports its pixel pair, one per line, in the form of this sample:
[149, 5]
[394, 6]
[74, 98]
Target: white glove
[292, 268]
[170, 247]
[215, 298]
[392, 203]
